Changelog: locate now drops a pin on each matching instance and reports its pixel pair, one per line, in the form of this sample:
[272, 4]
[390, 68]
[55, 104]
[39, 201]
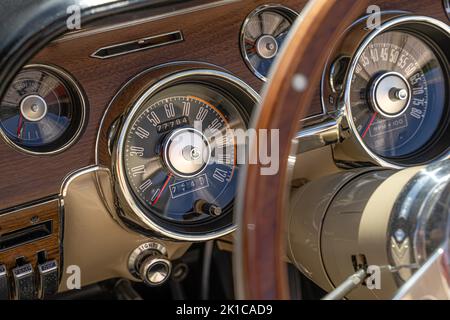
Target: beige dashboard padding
[93, 240]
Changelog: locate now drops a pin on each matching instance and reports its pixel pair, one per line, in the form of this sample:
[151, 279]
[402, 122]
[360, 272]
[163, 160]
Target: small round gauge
[42, 111]
[398, 94]
[263, 34]
[179, 153]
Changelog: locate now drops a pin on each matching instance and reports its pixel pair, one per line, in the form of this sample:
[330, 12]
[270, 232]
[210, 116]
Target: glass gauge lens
[39, 112]
[262, 37]
[179, 153]
[398, 94]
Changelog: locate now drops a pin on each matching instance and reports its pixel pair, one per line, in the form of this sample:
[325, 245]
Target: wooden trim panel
[27, 217]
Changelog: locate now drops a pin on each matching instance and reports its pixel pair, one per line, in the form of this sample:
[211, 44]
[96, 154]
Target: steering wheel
[259, 267]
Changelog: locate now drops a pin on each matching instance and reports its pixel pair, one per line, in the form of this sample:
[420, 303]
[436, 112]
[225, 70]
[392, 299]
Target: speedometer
[170, 161]
[397, 94]
[177, 153]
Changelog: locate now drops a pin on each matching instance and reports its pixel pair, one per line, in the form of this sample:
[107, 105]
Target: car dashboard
[102, 157]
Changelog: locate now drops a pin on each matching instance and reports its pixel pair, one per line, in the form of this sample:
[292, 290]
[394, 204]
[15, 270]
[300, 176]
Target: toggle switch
[48, 279]
[4, 284]
[24, 282]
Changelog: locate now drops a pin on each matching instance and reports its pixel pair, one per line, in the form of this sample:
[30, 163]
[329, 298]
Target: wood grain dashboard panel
[13, 222]
[210, 35]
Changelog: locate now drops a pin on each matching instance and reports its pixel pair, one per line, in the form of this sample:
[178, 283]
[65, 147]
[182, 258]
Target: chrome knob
[155, 270]
[150, 263]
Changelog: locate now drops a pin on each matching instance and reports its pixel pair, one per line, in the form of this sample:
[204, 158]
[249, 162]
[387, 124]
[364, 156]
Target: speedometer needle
[369, 125]
[169, 176]
[20, 126]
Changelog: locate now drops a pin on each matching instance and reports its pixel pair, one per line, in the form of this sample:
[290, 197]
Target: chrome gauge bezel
[447, 8]
[76, 88]
[129, 208]
[392, 24]
[288, 13]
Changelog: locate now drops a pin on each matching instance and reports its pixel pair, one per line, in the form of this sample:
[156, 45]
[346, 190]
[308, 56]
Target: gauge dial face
[263, 35]
[39, 112]
[397, 94]
[179, 154]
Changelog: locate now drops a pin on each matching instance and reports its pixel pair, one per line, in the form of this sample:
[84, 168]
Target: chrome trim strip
[432, 275]
[319, 135]
[118, 153]
[138, 41]
[347, 109]
[92, 31]
[75, 174]
[315, 117]
[94, 169]
[74, 85]
[447, 8]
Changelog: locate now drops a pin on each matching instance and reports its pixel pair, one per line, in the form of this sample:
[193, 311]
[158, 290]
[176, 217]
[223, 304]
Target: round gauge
[262, 36]
[179, 153]
[42, 111]
[398, 94]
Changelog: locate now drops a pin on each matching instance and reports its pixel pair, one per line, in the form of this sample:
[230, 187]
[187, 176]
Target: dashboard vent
[138, 45]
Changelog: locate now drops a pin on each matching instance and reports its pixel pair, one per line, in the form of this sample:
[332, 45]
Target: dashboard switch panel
[48, 278]
[24, 282]
[30, 234]
[4, 284]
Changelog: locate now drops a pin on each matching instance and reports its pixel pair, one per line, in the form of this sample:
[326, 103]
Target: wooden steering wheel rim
[259, 254]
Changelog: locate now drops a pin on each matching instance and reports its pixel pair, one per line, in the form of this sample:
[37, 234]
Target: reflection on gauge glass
[398, 94]
[42, 111]
[177, 164]
[263, 35]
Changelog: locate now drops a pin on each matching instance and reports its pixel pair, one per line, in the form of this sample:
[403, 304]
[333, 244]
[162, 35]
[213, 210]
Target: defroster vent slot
[138, 45]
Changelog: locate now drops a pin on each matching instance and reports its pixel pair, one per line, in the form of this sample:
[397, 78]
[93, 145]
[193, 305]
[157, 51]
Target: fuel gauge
[42, 111]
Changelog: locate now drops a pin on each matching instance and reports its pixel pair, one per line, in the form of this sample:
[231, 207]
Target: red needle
[19, 126]
[369, 125]
[169, 176]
